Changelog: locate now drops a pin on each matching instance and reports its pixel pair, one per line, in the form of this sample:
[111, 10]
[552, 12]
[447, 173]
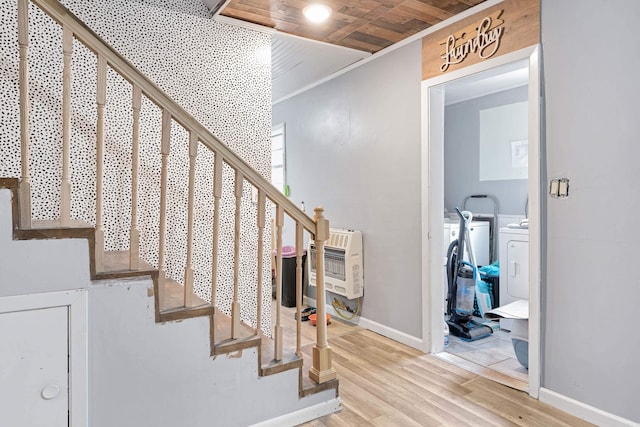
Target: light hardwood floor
[385, 383]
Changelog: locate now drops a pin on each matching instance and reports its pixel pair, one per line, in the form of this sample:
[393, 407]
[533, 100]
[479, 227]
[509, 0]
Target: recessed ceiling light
[317, 12]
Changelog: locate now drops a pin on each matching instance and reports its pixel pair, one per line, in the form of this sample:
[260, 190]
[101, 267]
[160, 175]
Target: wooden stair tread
[270, 366]
[52, 230]
[116, 261]
[174, 296]
[173, 307]
[223, 343]
[55, 224]
[116, 266]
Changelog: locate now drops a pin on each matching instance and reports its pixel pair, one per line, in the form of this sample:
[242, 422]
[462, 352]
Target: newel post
[321, 371]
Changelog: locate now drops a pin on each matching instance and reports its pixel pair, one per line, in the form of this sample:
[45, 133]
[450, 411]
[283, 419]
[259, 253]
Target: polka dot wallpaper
[219, 73]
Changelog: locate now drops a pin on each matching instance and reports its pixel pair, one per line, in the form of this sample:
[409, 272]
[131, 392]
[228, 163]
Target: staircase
[151, 251]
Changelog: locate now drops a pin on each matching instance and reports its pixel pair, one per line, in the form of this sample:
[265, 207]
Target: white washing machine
[479, 235]
[514, 267]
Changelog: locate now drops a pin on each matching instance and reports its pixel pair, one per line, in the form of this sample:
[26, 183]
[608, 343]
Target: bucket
[314, 316]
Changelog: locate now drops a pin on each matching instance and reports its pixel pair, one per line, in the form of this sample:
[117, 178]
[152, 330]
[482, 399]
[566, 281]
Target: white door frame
[432, 177]
[76, 302]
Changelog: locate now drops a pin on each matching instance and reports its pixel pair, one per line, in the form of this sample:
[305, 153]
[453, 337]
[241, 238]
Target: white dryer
[514, 267]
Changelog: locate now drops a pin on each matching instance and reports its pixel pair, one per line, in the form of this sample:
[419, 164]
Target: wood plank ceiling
[367, 25]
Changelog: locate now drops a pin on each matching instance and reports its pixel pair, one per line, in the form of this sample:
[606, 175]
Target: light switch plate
[563, 187]
[553, 187]
[559, 188]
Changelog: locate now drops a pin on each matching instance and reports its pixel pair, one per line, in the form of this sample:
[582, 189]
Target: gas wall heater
[344, 274]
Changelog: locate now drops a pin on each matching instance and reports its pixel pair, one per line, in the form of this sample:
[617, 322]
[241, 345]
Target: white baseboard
[582, 410]
[303, 415]
[376, 327]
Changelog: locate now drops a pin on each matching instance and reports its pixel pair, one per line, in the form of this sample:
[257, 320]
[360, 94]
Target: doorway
[435, 93]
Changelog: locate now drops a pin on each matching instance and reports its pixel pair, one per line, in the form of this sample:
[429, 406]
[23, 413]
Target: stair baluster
[101, 99]
[65, 187]
[24, 188]
[235, 306]
[164, 150]
[188, 271]
[278, 327]
[299, 252]
[217, 194]
[134, 233]
[261, 223]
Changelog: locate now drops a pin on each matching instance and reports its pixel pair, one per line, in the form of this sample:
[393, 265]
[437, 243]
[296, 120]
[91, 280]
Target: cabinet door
[34, 368]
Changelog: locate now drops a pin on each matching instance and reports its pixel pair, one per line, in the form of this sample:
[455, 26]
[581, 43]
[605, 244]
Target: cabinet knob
[50, 392]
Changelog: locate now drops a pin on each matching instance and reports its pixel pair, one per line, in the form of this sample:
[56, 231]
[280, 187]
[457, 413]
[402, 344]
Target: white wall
[462, 151]
[592, 293]
[353, 146]
[590, 289]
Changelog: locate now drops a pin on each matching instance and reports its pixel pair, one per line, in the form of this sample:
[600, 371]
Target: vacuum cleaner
[462, 277]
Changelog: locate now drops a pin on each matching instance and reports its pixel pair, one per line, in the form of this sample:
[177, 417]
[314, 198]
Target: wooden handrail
[117, 62]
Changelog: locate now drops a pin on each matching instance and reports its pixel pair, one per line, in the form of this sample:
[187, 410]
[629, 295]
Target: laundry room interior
[486, 174]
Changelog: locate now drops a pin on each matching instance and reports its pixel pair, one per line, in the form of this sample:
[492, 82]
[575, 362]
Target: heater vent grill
[344, 273]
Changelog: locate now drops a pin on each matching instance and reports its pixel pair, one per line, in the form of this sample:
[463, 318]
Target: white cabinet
[33, 378]
[43, 359]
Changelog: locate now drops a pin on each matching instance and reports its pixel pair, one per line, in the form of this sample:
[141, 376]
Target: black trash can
[289, 275]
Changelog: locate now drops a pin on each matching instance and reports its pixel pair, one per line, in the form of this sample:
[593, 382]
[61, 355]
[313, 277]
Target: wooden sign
[482, 38]
[503, 28]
